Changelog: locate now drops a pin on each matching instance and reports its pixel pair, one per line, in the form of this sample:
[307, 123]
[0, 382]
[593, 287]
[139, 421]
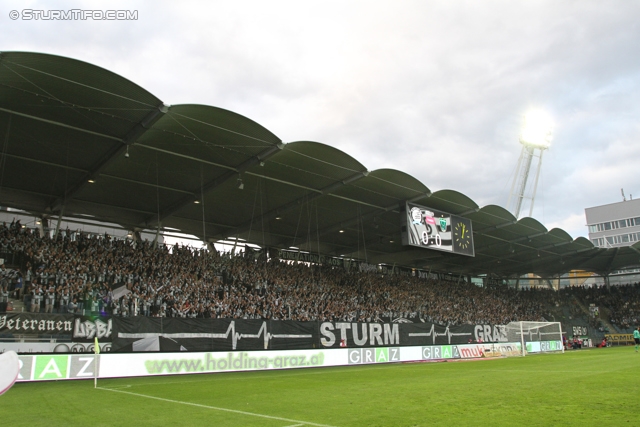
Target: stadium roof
[80, 141]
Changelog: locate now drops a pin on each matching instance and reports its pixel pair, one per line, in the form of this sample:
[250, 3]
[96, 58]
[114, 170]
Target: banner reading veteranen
[55, 325]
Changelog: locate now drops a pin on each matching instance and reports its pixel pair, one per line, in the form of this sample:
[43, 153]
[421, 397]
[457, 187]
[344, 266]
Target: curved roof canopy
[79, 141]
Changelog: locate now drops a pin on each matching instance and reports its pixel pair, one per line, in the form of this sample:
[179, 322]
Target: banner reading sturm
[149, 334]
[347, 334]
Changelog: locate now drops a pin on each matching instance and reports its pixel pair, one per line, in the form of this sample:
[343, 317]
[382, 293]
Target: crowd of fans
[623, 302]
[82, 273]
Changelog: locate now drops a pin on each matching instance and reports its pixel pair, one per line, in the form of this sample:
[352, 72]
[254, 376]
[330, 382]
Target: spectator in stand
[36, 299]
[4, 298]
[73, 305]
[183, 282]
[49, 299]
[64, 298]
[18, 286]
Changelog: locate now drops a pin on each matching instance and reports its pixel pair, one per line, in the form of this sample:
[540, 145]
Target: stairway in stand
[603, 319]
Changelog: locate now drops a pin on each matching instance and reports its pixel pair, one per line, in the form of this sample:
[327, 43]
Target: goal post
[536, 337]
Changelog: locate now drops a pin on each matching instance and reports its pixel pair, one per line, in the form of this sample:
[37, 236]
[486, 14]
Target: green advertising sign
[51, 367]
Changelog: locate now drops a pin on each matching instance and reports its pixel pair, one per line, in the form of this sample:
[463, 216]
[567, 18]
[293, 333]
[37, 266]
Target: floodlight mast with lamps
[535, 137]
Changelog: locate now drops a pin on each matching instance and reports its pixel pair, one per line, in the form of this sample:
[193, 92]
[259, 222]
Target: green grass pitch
[586, 387]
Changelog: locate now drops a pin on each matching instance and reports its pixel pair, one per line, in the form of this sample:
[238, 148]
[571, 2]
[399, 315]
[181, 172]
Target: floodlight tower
[535, 138]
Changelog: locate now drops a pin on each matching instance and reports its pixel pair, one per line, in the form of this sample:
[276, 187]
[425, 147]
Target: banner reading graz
[36, 324]
[346, 334]
[177, 334]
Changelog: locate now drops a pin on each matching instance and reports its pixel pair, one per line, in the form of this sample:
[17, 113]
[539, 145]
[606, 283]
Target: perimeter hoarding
[112, 365]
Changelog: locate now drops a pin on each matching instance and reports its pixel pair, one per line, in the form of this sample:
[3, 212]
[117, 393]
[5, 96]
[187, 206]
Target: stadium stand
[96, 274]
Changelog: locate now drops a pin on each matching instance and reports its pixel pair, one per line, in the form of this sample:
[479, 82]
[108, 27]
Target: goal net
[536, 337]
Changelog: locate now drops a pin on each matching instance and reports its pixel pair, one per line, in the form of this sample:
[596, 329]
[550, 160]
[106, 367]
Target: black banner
[63, 327]
[50, 325]
[178, 334]
[346, 334]
[86, 329]
[580, 330]
[137, 334]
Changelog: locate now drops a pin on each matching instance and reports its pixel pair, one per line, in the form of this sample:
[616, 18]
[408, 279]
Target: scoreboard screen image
[432, 229]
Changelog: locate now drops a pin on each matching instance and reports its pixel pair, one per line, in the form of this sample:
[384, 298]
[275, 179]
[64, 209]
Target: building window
[614, 225]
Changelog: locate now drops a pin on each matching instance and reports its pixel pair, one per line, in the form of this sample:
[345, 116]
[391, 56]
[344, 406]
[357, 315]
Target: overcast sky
[437, 89]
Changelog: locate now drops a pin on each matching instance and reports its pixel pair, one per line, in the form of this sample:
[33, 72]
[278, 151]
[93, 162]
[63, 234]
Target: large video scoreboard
[432, 229]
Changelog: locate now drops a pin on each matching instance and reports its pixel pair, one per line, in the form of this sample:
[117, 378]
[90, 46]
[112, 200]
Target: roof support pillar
[55, 235]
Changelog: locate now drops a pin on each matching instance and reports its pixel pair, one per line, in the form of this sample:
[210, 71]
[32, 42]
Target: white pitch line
[299, 423]
[297, 373]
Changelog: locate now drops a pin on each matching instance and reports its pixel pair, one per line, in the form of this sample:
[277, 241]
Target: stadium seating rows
[78, 272]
